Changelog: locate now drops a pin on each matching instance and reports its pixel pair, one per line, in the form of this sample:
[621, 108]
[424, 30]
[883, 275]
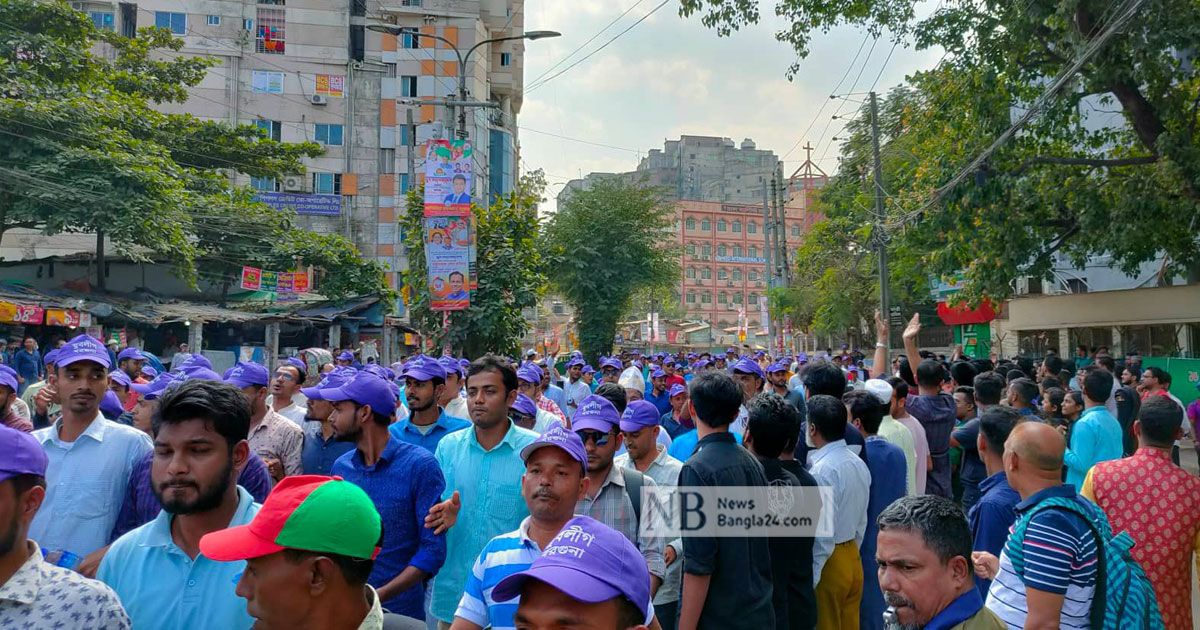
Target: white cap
[631, 378]
[880, 389]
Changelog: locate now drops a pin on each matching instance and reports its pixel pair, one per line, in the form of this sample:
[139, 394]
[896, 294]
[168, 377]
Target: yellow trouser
[839, 591]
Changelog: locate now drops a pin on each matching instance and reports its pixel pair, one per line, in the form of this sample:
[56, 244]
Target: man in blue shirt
[403, 481]
[993, 514]
[28, 363]
[658, 395]
[321, 446]
[427, 423]
[200, 447]
[1096, 435]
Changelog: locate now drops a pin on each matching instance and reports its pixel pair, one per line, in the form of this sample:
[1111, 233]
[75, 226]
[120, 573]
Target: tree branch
[1077, 161]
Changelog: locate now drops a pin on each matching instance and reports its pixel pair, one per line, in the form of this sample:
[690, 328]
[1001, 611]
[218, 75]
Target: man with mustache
[90, 458]
[427, 423]
[553, 481]
[925, 569]
[200, 447]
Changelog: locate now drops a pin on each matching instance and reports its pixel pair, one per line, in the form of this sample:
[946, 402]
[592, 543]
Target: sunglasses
[599, 438]
[607, 371]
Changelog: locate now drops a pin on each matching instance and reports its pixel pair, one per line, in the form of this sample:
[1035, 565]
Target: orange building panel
[387, 215]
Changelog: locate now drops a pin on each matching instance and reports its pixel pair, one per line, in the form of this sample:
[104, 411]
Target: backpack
[1123, 596]
[633, 487]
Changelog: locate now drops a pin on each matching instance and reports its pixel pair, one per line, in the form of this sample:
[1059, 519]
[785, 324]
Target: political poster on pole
[449, 239]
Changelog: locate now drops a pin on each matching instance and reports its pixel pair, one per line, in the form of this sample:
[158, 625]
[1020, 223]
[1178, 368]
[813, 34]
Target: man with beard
[130, 361]
[288, 379]
[483, 467]
[403, 481]
[610, 370]
[925, 568]
[90, 458]
[157, 569]
[553, 481]
[321, 446]
[427, 423]
[576, 386]
[777, 378]
[33, 592]
[277, 440]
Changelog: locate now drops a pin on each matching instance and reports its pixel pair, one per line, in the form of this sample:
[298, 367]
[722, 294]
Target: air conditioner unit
[295, 183]
[319, 99]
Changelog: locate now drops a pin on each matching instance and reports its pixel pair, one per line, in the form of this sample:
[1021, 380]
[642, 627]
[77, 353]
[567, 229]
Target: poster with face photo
[448, 234]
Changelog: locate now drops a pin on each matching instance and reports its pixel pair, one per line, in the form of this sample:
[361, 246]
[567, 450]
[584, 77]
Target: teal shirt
[1095, 438]
[489, 485]
[162, 588]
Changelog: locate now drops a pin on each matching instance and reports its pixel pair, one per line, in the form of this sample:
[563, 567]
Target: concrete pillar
[1064, 342]
[335, 337]
[195, 336]
[1183, 334]
[1117, 349]
[389, 336]
[271, 334]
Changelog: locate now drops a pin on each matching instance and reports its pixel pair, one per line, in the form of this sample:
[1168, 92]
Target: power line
[581, 141]
[590, 40]
[825, 102]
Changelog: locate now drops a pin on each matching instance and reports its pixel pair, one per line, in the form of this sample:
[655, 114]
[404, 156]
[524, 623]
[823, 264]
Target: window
[264, 184]
[736, 226]
[387, 160]
[752, 251]
[104, 20]
[176, 22]
[327, 183]
[409, 38]
[706, 251]
[691, 298]
[706, 298]
[753, 275]
[408, 85]
[273, 128]
[690, 249]
[737, 251]
[505, 59]
[214, 20]
[706, 226]
[690, 273]
[329, 135]
[270, 32]
[389, 70]
[690, 224]
[403, 182]
[795, 230]
[754, 298]
[752, 228]
[722, 226]
[128, 19]
[722, 298]
[706, 274]
[737, 298]
[721, 251]
[737, 275]
[722, 274]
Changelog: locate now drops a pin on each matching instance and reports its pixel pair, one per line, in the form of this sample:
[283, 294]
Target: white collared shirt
[849, 479]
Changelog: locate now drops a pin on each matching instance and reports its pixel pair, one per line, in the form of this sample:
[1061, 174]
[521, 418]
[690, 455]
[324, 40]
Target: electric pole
[767, 253]
[880, 238]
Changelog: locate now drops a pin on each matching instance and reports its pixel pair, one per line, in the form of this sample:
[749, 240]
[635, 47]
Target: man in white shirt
[451, 399]
[836, 559]
[575, 387]
[286, 399]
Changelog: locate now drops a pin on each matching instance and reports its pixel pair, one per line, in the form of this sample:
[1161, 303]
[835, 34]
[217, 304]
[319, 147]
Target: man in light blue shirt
[483, 469]
[427, 422]
[1096, 435]
[90, 458]
[157, 570]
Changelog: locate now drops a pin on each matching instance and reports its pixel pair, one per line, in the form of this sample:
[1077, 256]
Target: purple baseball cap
[609, 362]
[23, 455]
[658, 373]
[346, 356]
[779, 366]
[83, 348]
[802, 357]
[562, 438]
[247, 374]
[424, 369]
[731, 350]
[155, 388]
[197, 360]
[120, 378]
[638, 415]
[676, 390]
[464, 363]
[587, 369]
[8, 378]
[201, 373]
[530, 374]
[331, 380]
[749, 366]
[131, 353]
[450, 364]
[595, 412]
[524, 404]
[365, 389]
[110, 405]
[701, 364]
[50, 357]
[148, 371]
[589, 562]
[575, 361]
[297, 363]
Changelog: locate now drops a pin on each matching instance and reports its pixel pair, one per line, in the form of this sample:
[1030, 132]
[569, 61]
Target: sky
[670, 76]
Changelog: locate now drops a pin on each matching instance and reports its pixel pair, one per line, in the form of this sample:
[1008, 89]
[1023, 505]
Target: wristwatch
[880, 344]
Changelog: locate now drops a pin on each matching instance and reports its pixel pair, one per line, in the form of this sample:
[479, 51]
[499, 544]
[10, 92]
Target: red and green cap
[306, 512]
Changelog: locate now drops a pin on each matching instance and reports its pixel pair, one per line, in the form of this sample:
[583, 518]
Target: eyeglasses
[608, 371]
[285, 376]
[599, 438]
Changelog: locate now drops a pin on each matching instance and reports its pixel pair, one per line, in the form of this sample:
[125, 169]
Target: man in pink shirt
[899, 413]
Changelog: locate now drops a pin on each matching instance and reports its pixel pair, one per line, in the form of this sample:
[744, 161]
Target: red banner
[21, 313]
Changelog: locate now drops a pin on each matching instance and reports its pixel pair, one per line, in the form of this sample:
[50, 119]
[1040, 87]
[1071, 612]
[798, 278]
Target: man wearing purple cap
[44, 407]
[614, 494]
[344, 359]
[777, 377]
[452, 400]
[8, 395]
[640, 429]
[90, 458]
[274, 438]
[554, 479]
[589, 378]
[285, 386]
[575, 387]
[588, 577]
[678, 420]
[33, 592]
[749, 376]
[610, 370]
[321, 446]
[427, 423]
[529, 382]
[658, 395]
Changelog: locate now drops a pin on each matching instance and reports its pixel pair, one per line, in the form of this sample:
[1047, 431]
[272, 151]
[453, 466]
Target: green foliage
[607, 244]
[83, 150]
[1115, 152]
[510, 273]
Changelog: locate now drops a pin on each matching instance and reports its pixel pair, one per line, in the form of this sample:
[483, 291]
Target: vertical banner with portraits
[449, 237]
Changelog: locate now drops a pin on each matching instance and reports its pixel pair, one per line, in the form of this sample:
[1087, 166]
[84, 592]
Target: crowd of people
[507, 492]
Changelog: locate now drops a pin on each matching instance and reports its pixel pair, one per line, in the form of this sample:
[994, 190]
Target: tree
[1068, 185]
[509, 268]
[607, 243]
[84, 150]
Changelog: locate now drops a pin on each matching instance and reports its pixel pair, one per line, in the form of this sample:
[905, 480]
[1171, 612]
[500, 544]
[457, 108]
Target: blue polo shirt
[683, 446]
[403, 485]
[161, 587]
[405, 431]
[319, 454]
[991, 518]
[662, 402]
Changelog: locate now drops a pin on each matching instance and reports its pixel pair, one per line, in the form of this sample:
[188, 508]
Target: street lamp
[462, 59]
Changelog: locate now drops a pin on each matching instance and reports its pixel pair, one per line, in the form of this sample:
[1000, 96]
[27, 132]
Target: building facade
[310, 70]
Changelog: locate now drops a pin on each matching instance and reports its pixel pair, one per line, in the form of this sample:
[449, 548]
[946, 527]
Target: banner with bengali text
[447, 230]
